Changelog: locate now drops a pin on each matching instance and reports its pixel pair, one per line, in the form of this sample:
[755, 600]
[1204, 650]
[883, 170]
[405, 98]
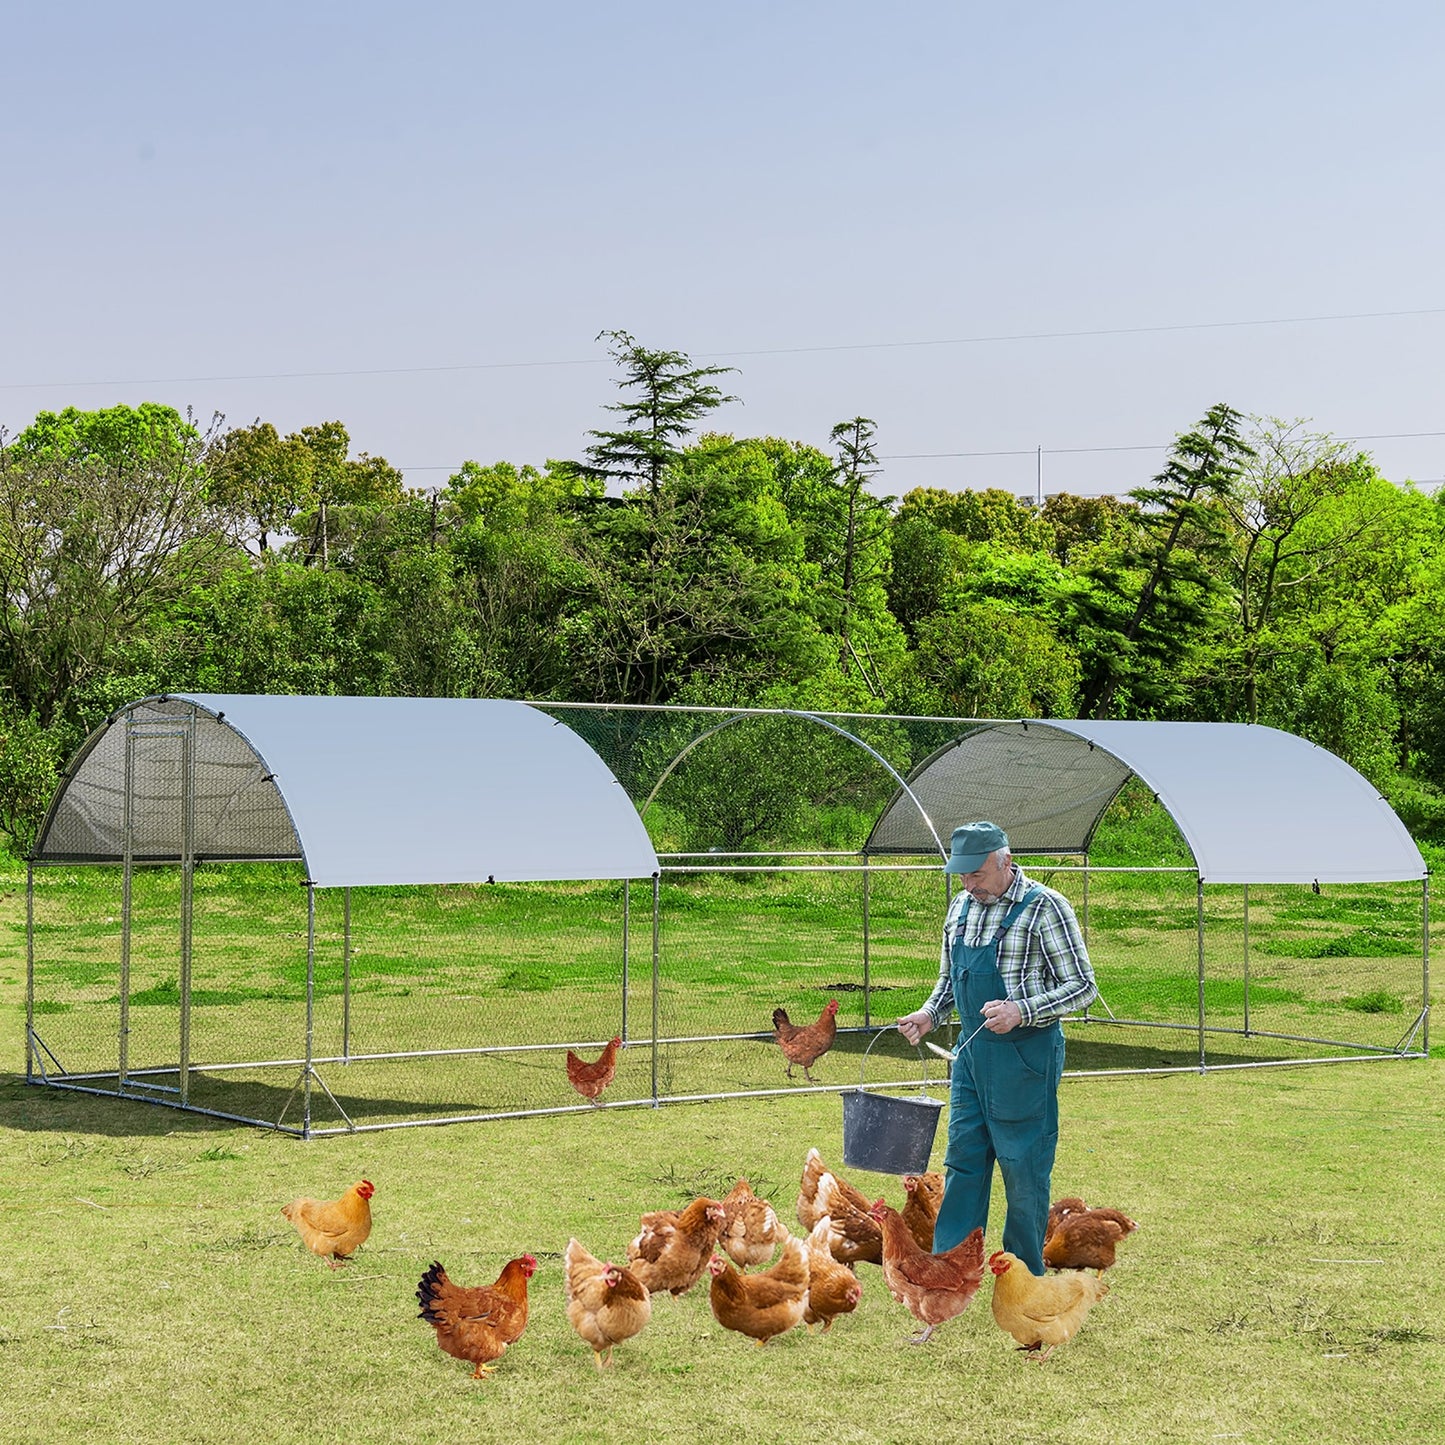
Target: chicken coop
[324, 914]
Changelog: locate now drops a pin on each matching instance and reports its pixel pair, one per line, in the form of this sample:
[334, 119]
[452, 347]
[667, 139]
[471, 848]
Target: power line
[1047, 451]
[1151, 447]
[1071, 335]
[982, 340]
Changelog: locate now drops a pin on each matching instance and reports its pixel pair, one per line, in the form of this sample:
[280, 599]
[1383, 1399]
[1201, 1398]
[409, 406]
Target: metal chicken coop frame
[369, 794]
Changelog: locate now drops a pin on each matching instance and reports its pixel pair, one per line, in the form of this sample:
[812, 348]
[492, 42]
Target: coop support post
[127, 880]
[346, 975]
[29, 971]
[867, 982]
[188, 872]
[656, 955]
[310, 1007]
[1246, 960]
[1084, 918]
[1425, 952]
[1199, 931]
[626, 944]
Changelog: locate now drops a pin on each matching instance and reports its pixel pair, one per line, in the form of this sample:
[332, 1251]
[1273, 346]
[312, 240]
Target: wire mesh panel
[108, 1013]
[75, 944]
[1342, 967]
[497, 980]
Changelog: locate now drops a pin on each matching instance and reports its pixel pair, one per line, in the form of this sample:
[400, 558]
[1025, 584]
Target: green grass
[1284, 1286]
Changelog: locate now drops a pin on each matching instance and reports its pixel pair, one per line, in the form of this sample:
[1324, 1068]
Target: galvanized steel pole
[310, 1006]
[626, 946]
[656, 953]
[1246, 960]
[29, 970]
[346, 976]
[1425, 949]
[188, 870]
[127, 878]
[1199, 926]
[867, 990]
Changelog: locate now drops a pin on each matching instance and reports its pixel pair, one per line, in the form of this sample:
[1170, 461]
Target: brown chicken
[1041, 1311]
[809, 1211]
[856, 1236]
[1060, 1207]
[590, 1079]
[833, 1288]
[477, 1324]
[751, 1227]
[605, 1303]
[920, 1209]
[673, 1247]
[805, 1044]
[935, 1287]
[1085, 1238]
[334, 1228]
[770, 1302]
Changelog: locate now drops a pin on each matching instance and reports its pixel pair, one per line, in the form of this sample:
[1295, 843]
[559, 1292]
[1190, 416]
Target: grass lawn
[1285, 1286]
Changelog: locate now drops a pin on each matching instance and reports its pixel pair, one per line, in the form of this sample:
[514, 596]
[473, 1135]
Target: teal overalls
[1003, 1105]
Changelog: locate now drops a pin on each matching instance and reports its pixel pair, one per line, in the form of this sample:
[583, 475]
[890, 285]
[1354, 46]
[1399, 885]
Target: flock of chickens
[814, 1280]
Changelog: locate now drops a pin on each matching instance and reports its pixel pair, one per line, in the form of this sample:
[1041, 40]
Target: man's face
[987, 884]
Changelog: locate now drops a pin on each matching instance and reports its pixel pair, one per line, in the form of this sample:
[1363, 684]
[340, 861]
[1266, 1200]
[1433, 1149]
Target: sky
[990, 228]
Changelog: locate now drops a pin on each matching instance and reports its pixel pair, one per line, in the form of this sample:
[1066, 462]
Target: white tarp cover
[380, 791]
[1254, 804]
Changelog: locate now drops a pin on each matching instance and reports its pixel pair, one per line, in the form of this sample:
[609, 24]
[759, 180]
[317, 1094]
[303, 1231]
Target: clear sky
[416, 218]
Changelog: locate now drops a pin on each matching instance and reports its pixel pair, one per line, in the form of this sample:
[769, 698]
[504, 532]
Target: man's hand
[1001, 1015]
[913, 1026]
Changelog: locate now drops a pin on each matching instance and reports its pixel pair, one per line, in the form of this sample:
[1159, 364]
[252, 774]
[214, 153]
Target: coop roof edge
[373, 790]
[1253, 803]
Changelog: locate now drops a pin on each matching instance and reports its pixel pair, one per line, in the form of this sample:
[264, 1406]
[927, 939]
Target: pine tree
[669, 395]
[1150, 607]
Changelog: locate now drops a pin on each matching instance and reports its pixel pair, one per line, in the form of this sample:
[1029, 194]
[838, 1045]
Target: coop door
[156, 877]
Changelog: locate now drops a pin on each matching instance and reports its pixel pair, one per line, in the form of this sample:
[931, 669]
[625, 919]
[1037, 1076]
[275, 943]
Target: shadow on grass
[40, 1109]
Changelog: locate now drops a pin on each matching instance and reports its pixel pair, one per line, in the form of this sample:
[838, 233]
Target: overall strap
[1008, 919]
[1011, 916]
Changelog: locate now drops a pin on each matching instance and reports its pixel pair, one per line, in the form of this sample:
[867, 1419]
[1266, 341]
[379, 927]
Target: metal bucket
[889, 1133]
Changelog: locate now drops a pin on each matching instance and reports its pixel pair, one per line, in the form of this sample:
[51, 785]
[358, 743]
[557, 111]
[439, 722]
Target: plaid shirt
[1042, 958]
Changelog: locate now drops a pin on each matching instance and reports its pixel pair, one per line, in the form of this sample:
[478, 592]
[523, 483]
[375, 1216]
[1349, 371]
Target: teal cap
[971, 845]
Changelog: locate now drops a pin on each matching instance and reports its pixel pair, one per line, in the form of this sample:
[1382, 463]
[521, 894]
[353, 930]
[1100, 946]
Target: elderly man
[1013, 957]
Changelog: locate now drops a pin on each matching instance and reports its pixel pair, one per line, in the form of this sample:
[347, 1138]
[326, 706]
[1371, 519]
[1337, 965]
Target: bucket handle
[863, 1063]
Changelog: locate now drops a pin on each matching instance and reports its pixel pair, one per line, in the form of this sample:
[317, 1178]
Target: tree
[516, 539]
[30, 762]
[702, 576]
[1147, 608]
[346, 498]
[991, 515]
[1286, 532]
[262, 478]
[926, 563]
[670, 395]
[845, 532]
[864, 518]
[1080, 524]
[982, 660]
[104, 517]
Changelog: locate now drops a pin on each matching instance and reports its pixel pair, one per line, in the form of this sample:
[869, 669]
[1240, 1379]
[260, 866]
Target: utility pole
[1039, 478]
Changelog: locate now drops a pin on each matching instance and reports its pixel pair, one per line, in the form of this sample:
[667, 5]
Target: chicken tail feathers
[428, 1288]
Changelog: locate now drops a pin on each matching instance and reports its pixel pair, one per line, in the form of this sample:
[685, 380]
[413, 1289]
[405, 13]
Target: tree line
[1268, 574]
